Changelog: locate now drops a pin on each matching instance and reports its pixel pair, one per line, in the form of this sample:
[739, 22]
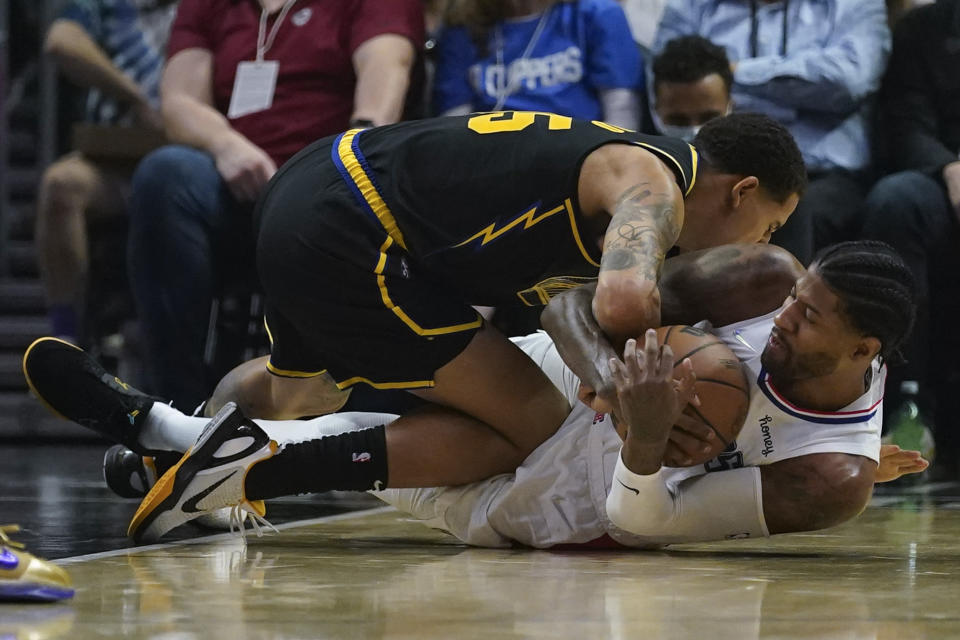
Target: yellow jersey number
[503, 121]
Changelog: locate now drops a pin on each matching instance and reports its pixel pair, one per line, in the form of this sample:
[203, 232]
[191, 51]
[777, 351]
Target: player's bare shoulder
[612, 169]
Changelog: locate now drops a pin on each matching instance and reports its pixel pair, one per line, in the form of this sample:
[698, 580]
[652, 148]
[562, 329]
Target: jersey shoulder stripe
[820, 417]
[684, 160]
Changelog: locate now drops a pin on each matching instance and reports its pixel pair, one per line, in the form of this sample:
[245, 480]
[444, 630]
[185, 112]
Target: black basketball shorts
[343, 296]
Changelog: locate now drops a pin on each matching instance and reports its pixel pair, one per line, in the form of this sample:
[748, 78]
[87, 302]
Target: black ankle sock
[354, 461]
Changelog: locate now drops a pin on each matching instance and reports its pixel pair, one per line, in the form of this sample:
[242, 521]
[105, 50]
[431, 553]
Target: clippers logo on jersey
[528, 219]
[597, 419]
[820, 417]
[562, 67]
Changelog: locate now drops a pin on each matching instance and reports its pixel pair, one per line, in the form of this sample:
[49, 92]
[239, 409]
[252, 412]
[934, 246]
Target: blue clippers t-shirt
[583, 47]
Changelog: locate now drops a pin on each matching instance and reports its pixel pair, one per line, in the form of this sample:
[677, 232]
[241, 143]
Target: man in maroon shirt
[247, 84]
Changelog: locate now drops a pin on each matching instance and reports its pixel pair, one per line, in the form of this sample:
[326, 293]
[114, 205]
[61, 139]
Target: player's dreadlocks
[876, 290]
[752, 144]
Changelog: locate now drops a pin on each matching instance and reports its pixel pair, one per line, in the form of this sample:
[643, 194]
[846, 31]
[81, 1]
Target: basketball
[721, 383]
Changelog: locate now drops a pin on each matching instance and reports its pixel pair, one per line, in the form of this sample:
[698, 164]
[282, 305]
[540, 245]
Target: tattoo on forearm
[618, 259]
[643, 228]
[631, 231]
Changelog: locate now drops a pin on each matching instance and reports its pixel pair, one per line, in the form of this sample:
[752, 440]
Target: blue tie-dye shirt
[133, 34]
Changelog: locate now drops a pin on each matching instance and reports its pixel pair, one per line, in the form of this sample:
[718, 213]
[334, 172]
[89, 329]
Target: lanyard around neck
[264, 42]
[508, 86]
[754, 27]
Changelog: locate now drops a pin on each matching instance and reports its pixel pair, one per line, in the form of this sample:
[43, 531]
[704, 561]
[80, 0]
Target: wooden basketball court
[370, 573]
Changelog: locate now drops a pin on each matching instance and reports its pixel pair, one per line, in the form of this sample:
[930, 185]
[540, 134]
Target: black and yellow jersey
[487, 203]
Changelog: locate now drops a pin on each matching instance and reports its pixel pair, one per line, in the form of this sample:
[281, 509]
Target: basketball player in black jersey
[374, 244]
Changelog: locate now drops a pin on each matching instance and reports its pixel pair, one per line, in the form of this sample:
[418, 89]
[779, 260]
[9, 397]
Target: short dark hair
[876, 290]
[689, 59]
[753, 144]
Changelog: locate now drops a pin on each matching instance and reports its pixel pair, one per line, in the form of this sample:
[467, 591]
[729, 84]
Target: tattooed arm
[723, 285]
[640, 197]
[626, 192]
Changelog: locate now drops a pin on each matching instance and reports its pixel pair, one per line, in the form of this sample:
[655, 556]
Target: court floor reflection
[890, 574]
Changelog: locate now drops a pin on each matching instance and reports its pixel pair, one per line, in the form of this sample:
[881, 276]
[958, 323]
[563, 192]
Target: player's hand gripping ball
[703, 432]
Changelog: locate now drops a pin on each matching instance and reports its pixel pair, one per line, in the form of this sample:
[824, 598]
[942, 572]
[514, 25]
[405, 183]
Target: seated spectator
[691, 85]
[643, 16]
[916, 208]
[113, 48]
[572, 57]
[246, 86]
[812, 65]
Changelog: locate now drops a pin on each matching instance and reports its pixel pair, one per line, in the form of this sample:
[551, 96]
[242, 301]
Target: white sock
[168, 429]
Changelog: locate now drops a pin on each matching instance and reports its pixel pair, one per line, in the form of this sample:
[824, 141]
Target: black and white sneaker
[208, 477]
[75, 387]
[130, 475]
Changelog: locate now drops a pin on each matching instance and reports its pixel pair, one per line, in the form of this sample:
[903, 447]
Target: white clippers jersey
[558, 495]
[775, 429]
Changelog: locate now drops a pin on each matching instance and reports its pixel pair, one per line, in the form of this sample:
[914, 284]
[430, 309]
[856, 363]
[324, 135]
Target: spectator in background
[813, 65]
[246, 86]
[691, 85]
[643, 17]
[434, 13]
[916, 208]
[434, 17]
[113, 48]
[572, 57]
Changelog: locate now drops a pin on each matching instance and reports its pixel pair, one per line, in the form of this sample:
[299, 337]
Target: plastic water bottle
[907, 427]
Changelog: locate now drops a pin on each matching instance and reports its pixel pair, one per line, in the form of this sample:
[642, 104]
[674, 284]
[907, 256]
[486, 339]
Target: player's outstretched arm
[799, 494]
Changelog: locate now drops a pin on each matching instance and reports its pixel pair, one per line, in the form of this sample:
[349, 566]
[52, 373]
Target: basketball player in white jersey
[807, 456]
[791, 468]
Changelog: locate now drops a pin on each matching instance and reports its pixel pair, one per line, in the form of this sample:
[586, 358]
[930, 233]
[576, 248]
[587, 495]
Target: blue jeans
[187, 233]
